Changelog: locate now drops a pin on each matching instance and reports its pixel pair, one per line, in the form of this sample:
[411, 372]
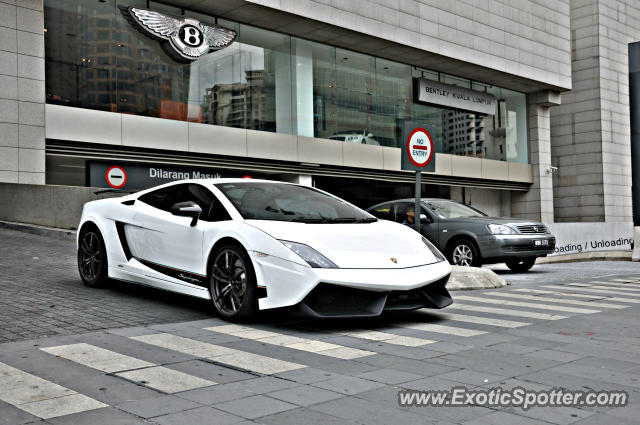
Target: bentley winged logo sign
[186, 38]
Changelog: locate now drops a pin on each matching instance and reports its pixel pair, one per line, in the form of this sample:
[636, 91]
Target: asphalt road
[132, 355]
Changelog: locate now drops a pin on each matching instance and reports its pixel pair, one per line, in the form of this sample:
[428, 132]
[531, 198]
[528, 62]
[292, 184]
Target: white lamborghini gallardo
[251, 245]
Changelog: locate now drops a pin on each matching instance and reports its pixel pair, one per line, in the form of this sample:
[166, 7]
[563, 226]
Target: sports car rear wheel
[232, 283]
[92, 257]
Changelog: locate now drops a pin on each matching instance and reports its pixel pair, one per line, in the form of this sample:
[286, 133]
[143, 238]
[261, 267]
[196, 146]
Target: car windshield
[288, 202]
[450, 209]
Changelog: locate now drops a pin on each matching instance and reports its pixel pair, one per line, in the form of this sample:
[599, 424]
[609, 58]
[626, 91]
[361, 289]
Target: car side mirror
[424, 218]
[187, 209]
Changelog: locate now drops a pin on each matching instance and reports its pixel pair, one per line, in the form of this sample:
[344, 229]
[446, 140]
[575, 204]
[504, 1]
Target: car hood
[356, 245]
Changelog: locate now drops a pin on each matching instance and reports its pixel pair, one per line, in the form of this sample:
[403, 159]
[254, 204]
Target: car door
[428, 229]
[168, 243]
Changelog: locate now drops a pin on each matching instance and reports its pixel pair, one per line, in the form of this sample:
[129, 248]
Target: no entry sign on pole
[418, 154]
[418, 150]
[420, 147]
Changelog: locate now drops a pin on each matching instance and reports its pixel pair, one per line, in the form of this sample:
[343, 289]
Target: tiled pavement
[41, 294]
[574, 335]
[131, 355]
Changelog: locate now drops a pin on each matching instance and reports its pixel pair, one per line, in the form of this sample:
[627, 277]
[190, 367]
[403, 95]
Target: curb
[34, 229]
[587, 256]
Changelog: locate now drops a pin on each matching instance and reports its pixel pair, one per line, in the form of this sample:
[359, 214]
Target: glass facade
[96, 58]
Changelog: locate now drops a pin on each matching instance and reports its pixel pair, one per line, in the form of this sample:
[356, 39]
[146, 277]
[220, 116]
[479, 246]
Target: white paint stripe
[592, 290]
[220, 354]
[624, 284]
[140, 371]
[566, 294]
[346, 353]
[389, 338]
[164, 379]
[441, 329]
[189, 346]
[569, 294]
[313, 346]
[304, 344]
[482, 320]
[558, 300]
[97, 358]
[624, 300]
[40, 397]
[527, 305]
[505, 311]
[616, 287]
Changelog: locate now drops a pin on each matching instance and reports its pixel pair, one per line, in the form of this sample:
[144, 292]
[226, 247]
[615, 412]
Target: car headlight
[501, 229]
[436, 252]
[310, 255]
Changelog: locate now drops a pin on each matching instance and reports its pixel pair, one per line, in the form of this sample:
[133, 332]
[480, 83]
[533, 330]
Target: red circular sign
[420, 147]
[116, 177]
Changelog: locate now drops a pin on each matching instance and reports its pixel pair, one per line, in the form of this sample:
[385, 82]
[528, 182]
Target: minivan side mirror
[187, 209]
[424, 218]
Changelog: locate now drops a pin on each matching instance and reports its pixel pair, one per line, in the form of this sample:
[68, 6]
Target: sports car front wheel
[232, 283]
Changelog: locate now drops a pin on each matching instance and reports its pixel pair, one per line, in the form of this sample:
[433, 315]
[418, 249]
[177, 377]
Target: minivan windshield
[450, 209]
[288, 202]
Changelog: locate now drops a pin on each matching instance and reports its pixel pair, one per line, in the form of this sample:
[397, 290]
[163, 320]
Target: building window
[263, 81]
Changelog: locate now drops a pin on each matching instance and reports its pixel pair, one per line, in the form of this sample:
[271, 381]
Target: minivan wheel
[521, 264]
[464, 253]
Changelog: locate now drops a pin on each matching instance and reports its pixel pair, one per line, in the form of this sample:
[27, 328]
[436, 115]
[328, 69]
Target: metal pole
[417, 209]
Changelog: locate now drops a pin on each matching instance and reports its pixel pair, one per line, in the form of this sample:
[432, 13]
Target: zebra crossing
[139, 371]
[40, 397]
[220, 354]
[507, 312]
[296, 343]
[470, 316]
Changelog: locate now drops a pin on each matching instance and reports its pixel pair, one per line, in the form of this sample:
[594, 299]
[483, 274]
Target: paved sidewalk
[133, 355]
[41, 294]
[296, 372]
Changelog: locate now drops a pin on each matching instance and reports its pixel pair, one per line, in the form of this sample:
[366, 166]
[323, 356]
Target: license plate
[541, 242]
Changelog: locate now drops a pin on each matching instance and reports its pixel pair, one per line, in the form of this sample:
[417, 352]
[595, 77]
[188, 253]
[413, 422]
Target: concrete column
[22, 92]
[294, 89]
[284, 95]
[537, 203]
[302, 70]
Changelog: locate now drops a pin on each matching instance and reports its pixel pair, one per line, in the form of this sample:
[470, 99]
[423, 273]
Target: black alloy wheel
[92, 258]
[521, 264]
[232, 283]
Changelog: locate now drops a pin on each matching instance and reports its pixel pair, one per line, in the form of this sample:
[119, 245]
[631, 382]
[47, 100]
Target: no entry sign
[116, 177]
[418, 150]
[420, 147]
